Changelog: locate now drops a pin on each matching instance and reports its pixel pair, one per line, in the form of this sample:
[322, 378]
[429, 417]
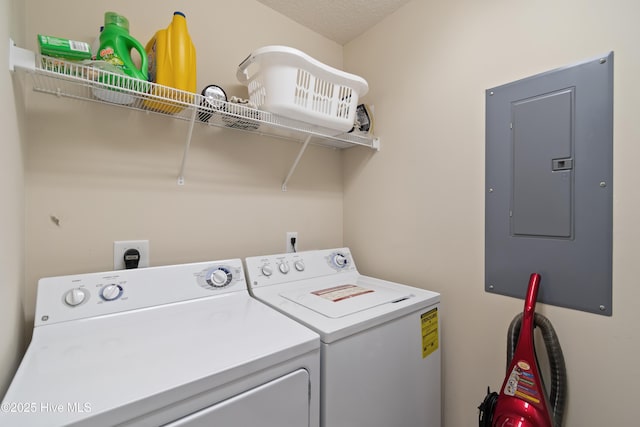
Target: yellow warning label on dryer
[429, 322]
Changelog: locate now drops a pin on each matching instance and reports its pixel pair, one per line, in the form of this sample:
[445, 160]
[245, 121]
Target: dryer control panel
[87, 295]
[288, 267]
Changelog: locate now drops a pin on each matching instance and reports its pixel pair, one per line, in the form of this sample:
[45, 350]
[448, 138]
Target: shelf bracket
[21, 58]
[295, 163]
[187, 145]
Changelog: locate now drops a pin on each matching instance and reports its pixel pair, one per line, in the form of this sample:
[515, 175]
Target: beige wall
[12, 194]
[110, 174]
[414, 212]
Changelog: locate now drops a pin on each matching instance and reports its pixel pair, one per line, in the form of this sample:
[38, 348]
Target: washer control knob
[220, 277]
[111, 292]
[75, 296]
[283, 267]
[267, 270]
[340, 260]
[299, 265]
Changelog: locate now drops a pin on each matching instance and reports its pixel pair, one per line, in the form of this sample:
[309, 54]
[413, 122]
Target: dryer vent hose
[558, 372]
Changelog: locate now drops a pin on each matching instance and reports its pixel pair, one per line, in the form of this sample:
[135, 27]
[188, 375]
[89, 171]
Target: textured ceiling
[338, 20]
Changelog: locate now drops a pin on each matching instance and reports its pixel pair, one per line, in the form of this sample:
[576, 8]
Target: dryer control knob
[219, 278]
[267, 270]
[75, 297]
[283, 267]
[340, 260]
[111, 292]
[299, 265]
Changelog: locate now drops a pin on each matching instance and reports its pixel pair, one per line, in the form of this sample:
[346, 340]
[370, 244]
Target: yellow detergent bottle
[171, 57]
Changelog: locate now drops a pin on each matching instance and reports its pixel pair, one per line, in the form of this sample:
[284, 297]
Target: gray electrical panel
[549, 186]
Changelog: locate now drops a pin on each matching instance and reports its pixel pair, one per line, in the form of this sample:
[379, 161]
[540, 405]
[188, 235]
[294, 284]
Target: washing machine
[380, 341]
[181, 345]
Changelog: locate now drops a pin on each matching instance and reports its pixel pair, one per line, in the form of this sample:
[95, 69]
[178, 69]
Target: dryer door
[283, 402]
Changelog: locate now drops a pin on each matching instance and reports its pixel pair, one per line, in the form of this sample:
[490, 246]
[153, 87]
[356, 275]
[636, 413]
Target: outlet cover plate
[288, 246]
[121, 246]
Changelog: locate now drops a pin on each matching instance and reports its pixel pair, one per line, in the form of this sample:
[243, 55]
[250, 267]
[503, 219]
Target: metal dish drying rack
[86, 82]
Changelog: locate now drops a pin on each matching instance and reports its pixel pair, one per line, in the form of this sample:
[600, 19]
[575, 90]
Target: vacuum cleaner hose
[558, 372]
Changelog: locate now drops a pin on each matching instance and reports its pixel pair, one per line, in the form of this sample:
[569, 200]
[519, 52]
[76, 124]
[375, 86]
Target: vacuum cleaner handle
[532, 294]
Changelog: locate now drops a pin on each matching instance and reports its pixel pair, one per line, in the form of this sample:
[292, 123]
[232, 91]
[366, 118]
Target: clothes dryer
[181, 345]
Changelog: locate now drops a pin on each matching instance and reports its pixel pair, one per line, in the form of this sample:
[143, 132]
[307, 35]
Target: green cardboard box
[64, 48]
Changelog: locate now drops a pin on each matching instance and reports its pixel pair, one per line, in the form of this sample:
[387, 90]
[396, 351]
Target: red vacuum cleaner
[523, 400]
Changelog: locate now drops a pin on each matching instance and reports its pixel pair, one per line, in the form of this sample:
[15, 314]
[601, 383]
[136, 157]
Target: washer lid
[344, 299]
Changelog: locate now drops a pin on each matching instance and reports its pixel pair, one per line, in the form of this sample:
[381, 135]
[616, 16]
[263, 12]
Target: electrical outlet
[121, 246]
[289, 246]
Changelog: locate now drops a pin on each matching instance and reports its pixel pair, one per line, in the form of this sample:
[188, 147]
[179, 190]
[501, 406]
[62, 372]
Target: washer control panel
[86, 295]
[281, 268]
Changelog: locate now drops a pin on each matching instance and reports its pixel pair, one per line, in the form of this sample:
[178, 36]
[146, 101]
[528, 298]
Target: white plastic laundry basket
[290, 83]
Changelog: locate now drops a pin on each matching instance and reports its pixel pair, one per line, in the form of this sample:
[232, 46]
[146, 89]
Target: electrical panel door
[549, 186]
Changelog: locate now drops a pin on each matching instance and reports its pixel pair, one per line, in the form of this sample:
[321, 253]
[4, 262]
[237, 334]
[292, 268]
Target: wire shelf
[94, 81]
[89, 82]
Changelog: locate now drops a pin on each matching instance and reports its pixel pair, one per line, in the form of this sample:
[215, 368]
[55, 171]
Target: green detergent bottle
[116, 44]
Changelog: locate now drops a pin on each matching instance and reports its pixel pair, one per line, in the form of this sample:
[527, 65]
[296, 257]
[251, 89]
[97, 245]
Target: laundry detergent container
[290, 83]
